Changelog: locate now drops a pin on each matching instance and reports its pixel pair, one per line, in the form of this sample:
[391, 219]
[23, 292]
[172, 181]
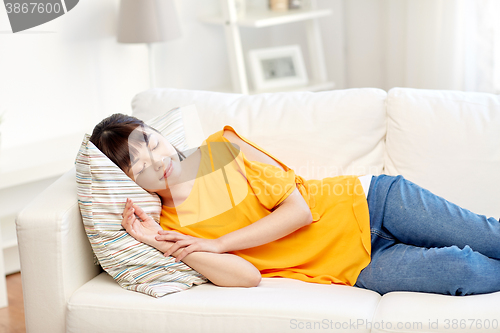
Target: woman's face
[154, 161]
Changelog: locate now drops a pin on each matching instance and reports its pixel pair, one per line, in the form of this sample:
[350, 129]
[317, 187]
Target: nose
[158, 162]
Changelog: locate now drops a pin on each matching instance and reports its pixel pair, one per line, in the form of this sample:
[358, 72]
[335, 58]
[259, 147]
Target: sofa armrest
[55, 254]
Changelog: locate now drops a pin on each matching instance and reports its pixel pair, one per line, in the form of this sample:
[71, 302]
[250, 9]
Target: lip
[168, 170]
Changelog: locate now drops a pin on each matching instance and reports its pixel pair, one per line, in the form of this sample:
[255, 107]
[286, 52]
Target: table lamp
[148, 21]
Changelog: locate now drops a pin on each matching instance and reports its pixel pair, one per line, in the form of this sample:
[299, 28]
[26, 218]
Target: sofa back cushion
[447, 142]
[318, 134]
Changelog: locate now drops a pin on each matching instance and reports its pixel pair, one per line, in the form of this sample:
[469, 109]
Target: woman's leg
[446, 270]
[415, 216]
[421, 242]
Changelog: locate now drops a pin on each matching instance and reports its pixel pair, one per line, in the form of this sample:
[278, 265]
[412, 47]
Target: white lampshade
[147, 21]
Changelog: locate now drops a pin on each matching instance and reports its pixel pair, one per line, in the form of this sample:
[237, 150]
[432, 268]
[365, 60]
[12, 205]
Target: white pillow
[102, 192]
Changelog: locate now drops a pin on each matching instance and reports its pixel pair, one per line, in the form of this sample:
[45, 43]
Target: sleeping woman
[235, 213]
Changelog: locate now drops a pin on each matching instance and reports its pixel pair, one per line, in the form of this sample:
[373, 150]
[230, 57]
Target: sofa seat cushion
[422, 312]
[276, 305]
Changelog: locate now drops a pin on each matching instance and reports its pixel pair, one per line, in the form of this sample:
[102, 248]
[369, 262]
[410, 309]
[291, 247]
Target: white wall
[61, 77]
[64, 76]
[364, 43]
[394, 53]
[198, 59]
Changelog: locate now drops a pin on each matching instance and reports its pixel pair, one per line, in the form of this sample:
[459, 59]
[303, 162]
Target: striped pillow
[103, 189]
[171, 126]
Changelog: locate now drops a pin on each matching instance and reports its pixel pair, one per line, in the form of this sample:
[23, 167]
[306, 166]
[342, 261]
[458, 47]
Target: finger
[140, 212]
[130, 229]
[127, 221]
[165, 232]
[188, 248]
[179, 257]
[128, 214]
[177, 245]
[167, 237]
[173, 249]
[125, 209]
[134, 226]
[184, 242]
[128, 211]
[163, 238]
[183, 254]
[129, 203]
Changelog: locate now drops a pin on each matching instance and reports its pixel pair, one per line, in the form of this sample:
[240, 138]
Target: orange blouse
[231, 192]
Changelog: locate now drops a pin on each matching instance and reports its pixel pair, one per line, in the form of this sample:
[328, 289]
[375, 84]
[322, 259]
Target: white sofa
[446, 141]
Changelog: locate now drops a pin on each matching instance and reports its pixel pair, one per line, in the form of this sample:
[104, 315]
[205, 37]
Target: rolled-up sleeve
[269, 183]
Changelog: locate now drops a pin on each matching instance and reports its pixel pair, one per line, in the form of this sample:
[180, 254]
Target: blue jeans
[424, 243]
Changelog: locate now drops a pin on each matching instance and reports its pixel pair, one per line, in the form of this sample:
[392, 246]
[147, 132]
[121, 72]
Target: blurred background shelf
[259, 19]
[232, 23]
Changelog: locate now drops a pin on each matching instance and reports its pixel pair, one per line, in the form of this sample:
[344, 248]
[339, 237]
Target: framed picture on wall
[278, 67]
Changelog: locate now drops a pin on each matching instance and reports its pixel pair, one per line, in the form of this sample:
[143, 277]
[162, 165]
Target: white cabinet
[266, 18]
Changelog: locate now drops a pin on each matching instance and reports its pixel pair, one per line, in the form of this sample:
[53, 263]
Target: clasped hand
[149, 232]
[189, 243]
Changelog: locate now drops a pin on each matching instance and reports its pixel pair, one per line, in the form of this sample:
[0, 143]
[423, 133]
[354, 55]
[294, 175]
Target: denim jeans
[424, 243]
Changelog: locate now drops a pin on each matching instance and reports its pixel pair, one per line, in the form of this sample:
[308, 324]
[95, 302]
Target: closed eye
[143, 168]
[157, 144]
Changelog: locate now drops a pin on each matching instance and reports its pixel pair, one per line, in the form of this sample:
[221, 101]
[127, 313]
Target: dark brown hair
[111, 137]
